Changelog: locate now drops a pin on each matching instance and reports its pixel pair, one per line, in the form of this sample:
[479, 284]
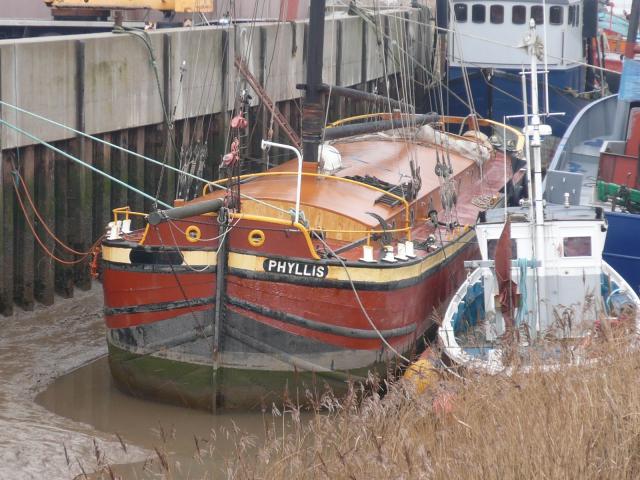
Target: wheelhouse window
[577, 246]
[460, 11]
[577, 19]
[555, 15]
[572, 15]
[519, 14]
[492, 245]
[537, 13]
[496, 14]
[478, 13]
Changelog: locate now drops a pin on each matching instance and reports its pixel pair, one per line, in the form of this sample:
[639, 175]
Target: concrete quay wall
[106, 82]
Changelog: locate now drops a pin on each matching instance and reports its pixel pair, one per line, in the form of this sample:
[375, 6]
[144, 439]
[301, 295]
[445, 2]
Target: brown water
[57, 399]
[88, 396]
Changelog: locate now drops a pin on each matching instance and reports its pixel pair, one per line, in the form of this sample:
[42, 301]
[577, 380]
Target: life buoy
[192, 233]
[256, 238]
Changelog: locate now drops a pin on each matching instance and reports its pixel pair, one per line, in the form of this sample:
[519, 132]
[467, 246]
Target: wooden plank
[102, 188]
[24, 248]
[6, 228]
[63, 273]
[44, 279]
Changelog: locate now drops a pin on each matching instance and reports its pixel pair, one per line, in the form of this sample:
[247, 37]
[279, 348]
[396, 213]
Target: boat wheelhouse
[485, 58]
[596, 163]
[561, 305]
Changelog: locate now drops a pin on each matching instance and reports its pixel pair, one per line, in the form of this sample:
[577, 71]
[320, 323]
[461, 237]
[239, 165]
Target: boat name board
[297, 269]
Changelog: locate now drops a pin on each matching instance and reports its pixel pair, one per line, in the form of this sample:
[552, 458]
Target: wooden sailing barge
[298, 278]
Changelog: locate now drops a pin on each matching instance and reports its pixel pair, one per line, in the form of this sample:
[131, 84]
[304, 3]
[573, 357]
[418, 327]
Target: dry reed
[577, 422]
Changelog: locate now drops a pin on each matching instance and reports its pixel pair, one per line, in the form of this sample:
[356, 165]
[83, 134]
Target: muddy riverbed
[58, 403]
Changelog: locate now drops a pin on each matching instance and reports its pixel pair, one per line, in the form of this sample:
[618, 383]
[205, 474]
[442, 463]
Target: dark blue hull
[499, 94]
[622, 246]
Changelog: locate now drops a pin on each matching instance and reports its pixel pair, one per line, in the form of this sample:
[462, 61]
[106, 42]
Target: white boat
[542, 294]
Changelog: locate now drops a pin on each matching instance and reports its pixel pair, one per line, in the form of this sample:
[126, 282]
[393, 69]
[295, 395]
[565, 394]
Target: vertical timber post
[170, 154]
[45, 201]
[120, 170]
[24, 251]
[153, 140]
[6, 235]
[81, 182]
[102, 188]
[63, 273]
[136, 170]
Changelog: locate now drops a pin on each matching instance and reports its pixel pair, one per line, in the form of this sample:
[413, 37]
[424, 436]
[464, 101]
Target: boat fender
[422, 374]
[256, 238]
[193, 233]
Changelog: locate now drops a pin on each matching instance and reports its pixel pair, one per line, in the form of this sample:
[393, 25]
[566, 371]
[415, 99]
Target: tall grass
[576, 422]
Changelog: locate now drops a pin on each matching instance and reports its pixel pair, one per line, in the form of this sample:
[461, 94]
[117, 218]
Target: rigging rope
[84, 256]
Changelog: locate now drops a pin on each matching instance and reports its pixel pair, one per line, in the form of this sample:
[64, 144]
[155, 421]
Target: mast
[312, 112]
[534, 132]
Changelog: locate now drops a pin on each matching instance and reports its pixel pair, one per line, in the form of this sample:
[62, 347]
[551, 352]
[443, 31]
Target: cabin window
[493, 244]
[572, 15]
[478, 14]
[519, 14]
[496, 14]
[537, 13]
[577, 20]
[555, 15]
[460, 11]
[577, 246]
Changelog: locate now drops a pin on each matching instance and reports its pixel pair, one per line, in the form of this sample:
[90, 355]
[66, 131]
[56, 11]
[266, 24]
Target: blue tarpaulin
[630, 81]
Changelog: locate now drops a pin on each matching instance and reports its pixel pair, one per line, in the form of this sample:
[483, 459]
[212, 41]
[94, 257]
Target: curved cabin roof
[386, 159]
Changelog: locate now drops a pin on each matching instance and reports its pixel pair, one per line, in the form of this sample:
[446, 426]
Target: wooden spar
[222, 258]
[189, 210]
[312, 120]
[360, 95]
[371, 127]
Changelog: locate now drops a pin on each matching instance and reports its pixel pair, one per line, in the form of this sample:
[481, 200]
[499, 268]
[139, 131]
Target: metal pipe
[267, 143]
[190, 210]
